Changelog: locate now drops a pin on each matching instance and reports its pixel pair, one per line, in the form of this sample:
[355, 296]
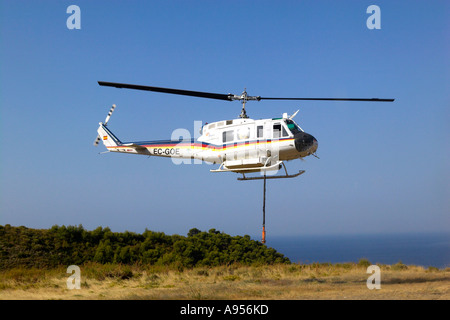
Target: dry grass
[280, 282]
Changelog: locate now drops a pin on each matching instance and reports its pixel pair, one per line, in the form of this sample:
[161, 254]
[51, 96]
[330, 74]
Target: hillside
[73, 245]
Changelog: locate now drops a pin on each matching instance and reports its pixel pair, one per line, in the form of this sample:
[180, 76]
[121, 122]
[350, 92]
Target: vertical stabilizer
[105, 135]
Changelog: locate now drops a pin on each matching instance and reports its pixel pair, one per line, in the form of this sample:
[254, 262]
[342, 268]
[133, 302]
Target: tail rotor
[109, 114]
[97, 140]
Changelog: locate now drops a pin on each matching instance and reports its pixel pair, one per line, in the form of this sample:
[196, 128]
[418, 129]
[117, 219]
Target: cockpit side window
[292, 126]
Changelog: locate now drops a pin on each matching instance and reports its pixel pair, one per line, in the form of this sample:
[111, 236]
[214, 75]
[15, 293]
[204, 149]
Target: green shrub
[363, 262]
[399, 266]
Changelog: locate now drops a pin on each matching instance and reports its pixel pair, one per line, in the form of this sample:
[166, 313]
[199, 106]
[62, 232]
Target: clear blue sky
[383, 167]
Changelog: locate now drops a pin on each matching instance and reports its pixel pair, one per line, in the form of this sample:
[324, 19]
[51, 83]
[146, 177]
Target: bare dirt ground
[279, 282]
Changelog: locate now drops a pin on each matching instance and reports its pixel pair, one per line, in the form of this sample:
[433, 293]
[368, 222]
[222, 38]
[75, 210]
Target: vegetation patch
[73, 245]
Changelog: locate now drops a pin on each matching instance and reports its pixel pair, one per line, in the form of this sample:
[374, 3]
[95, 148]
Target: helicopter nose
[304, 142]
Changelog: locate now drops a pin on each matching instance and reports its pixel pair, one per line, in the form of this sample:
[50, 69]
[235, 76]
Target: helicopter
[241, 145]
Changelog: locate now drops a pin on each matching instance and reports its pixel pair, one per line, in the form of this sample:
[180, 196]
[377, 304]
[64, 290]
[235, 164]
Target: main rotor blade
[227, 97]
[330, 99]
[200, 94]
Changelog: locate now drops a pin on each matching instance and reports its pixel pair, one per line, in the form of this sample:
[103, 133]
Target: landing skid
[271, 177]
[244, 170]
[244, 178]
[262, 169]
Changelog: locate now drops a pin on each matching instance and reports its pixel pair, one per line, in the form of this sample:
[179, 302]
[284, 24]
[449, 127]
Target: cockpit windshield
[293, 126]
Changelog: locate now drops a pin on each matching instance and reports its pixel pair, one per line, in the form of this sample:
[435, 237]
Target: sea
[427, 250]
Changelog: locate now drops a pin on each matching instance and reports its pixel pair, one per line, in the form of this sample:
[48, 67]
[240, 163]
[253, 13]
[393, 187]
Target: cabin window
[243, 133]
[277, 130]
[229, 122]
[228, 136]
[259, 131]
[212, 126]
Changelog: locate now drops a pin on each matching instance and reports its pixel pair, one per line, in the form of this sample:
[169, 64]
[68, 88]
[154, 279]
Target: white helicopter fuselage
[239, 145]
